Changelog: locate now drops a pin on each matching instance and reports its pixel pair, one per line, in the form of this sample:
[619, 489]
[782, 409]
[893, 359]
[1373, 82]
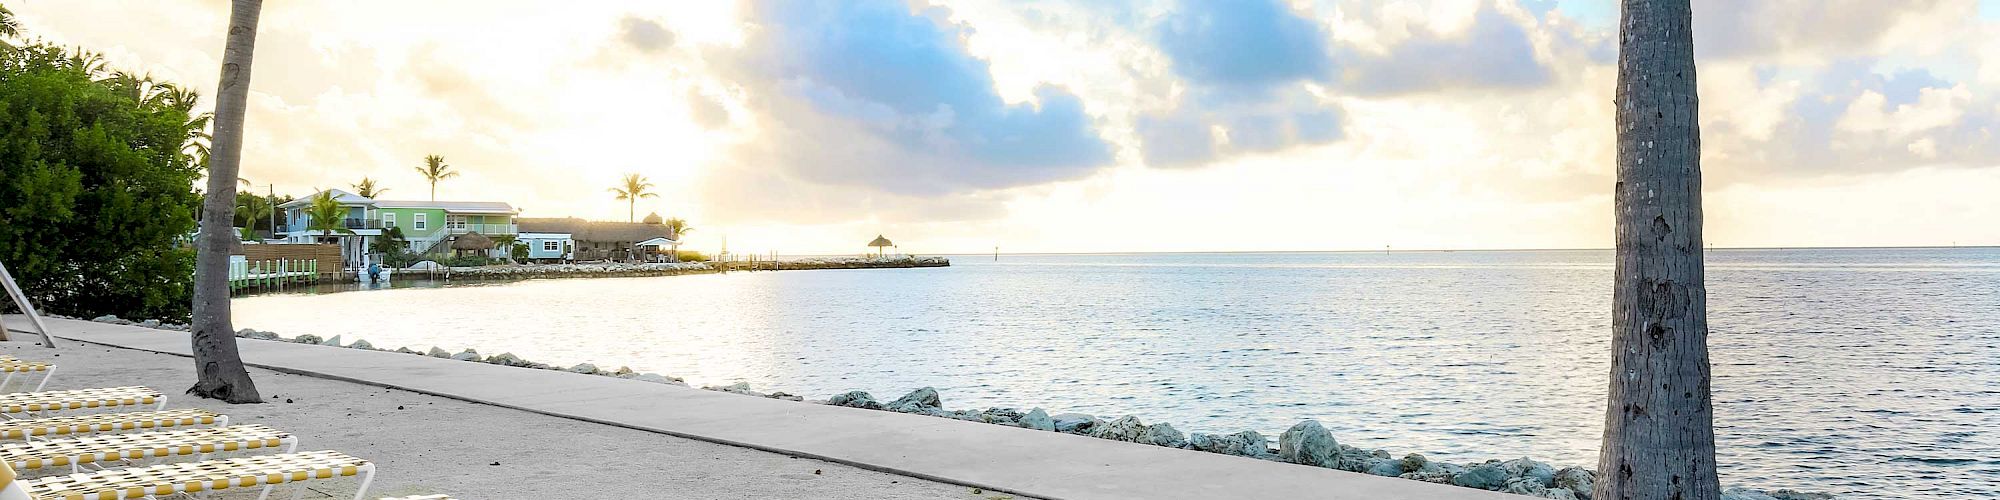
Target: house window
[454, 222]
[551, 246]
[421, 221]
[388, 220]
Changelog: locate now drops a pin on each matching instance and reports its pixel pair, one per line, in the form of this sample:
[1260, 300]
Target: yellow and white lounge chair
[422, 497]
[14, 367]
[110, 397]
[75, 452]
[107, 422]
[190, 477]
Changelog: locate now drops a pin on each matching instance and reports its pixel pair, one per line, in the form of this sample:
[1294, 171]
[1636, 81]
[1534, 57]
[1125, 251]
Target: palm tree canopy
[633, 187]
[677, 227]
[435, 169]
[8, 26]
[367, 188]
[327, 215]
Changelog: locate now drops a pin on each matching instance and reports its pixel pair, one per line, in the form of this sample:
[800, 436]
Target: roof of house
[657, 241]
[345, 198]
[588, 230]
[461, 207]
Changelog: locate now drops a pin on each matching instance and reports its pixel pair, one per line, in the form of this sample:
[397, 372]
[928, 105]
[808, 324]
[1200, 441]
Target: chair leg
[300, 492]
[367, 476]
[45, 379]
[266, 494]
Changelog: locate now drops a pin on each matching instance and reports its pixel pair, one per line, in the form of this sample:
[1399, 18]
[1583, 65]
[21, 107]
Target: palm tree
[1659, 433]
[675, 228]
[218, 366]
[435, 170]
[328, 216]
[367, 189]
[631, 190]
[8, 26]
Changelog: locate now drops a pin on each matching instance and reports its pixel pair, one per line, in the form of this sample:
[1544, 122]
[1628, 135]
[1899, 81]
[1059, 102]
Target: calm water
[1866, 371]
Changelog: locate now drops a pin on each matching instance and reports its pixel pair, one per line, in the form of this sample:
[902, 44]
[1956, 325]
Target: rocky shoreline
[1305, 443]
[630, 270]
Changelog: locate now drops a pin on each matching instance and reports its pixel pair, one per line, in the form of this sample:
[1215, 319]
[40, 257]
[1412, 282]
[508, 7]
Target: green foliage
[390, 242]
[327, 215]
[520, 251]
[97, 203]
[677, 227]
[467, 260]
[692, 256]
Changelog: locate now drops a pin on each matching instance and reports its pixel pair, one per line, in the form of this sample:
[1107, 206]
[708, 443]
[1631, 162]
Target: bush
[692, 256]
[466, 261]
[97, 202]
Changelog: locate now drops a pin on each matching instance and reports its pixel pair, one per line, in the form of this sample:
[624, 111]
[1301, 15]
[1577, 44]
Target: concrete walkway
[1008, 459]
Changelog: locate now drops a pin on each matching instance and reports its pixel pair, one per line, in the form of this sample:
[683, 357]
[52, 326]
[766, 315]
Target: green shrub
[692, 256]
[96, 186]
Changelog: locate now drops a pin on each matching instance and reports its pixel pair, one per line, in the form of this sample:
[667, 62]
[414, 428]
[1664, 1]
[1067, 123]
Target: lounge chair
[108, 422]
[190, 477]
[15, 366]
[110, 397]
[78, 451]
[421, 497]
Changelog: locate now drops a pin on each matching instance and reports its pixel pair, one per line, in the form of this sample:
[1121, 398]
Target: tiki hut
[879, 244]
[472, 242]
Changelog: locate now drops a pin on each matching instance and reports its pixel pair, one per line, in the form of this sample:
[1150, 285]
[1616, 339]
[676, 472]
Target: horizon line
[1446, 250]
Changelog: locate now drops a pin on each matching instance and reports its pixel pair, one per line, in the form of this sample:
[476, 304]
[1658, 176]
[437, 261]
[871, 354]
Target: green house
[427, 226]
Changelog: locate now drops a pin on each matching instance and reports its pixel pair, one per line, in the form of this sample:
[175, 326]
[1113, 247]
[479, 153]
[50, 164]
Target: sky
[1101, 126]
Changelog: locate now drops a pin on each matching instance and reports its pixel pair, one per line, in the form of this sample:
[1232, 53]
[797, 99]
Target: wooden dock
[271, 274]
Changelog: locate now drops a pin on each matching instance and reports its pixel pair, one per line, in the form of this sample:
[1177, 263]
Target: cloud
[1731, 29]
[1248, 45]
[1848, 119]
[707, 112]
[1246, 68]
[874, 97]
[1493, 52]
[644, 35]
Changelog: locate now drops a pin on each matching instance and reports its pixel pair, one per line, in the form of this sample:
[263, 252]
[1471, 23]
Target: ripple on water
[1862, 371]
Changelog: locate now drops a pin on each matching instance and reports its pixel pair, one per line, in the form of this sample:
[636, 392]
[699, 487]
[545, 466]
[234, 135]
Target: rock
[244, 333]
[151, 323]
[1486, 476]
[736, 388]
[1127, 428]
[917, 401]
[1246, 443]
[1353, 459]
[1308, 443]
[436, 352]
[1524, 485]
[1576, 479]
[1434, 473]
[407, 350]
[1162, 434]
[1385, 467]
[507, 359]
[622, 371]
[361, 344]
[467, 355]
[1560, 494]
[1038, 420]
[332, 341]
[1541, 473]
[307, 339]
[784, 396]
[109, 318]
[264, 335]
[1076, 423]
[1002, 416]
[1414, 462]
[855, 399]
[584, 368]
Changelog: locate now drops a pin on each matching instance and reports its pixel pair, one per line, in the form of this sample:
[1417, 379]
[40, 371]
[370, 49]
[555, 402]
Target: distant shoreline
[1004, 255]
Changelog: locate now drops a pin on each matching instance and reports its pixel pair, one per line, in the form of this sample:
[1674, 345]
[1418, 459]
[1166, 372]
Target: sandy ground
[425, 444]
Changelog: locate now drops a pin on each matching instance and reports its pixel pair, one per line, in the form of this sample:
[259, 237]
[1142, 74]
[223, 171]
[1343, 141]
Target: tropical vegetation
[96, 176]
[435, 170]
[630, 189]
[367, 188]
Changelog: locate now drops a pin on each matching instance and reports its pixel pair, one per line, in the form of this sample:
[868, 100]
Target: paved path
[1001, 458]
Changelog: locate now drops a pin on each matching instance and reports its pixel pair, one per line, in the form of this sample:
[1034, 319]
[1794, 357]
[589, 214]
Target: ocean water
[1873, 372]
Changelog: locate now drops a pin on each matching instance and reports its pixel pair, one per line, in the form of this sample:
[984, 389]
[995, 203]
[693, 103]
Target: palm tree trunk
[1659, 434]
[218, 367]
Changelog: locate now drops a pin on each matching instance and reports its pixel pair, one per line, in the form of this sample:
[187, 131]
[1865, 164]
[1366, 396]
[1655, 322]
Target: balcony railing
[346, 223]
[488, 229]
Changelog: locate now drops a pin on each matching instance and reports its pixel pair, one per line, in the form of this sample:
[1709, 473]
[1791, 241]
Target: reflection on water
[1872, 371]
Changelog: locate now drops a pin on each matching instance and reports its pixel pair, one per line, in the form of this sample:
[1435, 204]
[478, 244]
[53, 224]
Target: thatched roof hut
[472, 241]
[880, 242]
